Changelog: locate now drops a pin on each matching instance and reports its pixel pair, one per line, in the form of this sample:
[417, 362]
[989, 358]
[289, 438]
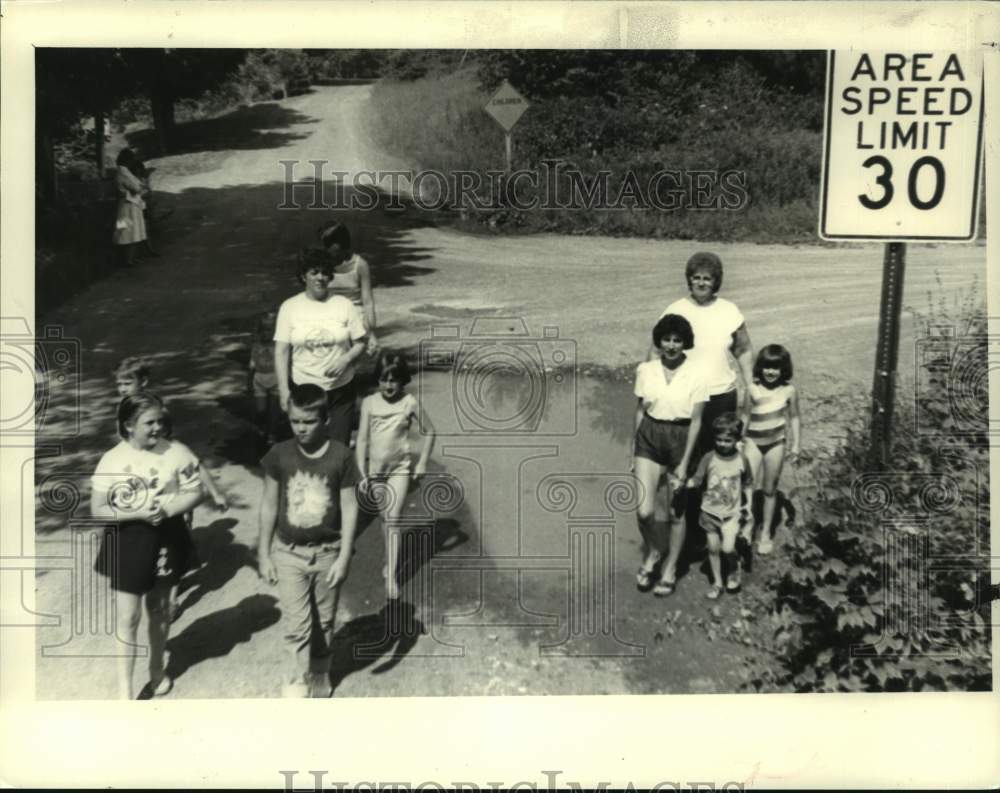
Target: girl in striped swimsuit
[773, 421]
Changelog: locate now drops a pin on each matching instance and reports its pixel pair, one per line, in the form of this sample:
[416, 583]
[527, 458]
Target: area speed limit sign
[902, 146]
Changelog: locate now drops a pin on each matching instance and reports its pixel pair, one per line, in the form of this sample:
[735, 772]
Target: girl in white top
[671, 393]
[383, 452]
[143, 486]
[773, 421]
[351, 276]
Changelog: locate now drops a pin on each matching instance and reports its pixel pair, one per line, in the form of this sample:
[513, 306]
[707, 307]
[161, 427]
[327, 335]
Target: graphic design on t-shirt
[723, 491]
[308, 499]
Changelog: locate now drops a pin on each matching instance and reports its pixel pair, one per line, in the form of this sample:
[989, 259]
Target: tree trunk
[99, 142]
[161, 104]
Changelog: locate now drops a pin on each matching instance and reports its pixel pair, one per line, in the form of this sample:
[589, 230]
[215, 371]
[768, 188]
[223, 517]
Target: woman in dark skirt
[144, 485]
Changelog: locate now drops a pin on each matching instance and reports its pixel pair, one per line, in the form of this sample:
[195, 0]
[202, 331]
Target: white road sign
[507, 106]
[902, 146]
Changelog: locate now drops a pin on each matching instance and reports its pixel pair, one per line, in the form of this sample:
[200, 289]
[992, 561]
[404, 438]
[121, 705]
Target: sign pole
[508, 143]
[887, 353]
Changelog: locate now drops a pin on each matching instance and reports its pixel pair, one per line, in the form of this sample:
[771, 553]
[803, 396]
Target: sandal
[644, 579]
[714, 592]
[664, 588]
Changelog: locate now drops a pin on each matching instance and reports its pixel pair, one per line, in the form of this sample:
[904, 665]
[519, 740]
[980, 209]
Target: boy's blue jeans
[308, 604]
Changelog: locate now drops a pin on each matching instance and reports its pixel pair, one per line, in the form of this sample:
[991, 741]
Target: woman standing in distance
[317, 339]
[672, 395]
[351, 276]
[130, 223]
[719, 331]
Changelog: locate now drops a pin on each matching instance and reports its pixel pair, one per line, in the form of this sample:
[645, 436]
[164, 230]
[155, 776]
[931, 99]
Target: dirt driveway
[502, 595]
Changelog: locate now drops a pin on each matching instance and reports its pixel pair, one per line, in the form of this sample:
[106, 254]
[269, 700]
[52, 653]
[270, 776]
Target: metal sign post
[887, 353]
[507, 106]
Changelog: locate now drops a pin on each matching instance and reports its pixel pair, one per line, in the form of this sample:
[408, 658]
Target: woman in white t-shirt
[317, 339]
[720, 336]
[672, 394]
[144, 486]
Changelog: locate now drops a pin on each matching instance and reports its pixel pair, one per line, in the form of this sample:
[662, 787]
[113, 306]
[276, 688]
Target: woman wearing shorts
[317, 339]
[672, 393]
[145, 485]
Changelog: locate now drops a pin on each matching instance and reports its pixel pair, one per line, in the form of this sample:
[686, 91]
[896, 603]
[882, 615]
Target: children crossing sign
[902, 146]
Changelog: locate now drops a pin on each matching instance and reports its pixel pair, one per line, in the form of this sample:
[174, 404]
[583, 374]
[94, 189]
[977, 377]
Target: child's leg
[730, 531]
[714, 561]
[773, 461]
[648, 473]
[129, 612]
[755, 458]
[158, 613]
[399, 485]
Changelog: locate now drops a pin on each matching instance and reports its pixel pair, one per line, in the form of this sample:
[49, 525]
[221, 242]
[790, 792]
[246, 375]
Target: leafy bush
[638, 113]
[929, 630]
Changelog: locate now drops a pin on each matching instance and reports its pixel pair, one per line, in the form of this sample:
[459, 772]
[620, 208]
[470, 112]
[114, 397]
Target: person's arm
[698, 477]
[184, 501]
[339, 366]
[361, 443]
[99, 506]
[694, 428]
[795, 422]
[743, 353]
[427, 429]
[208, 482]
[640, 411]
[367, 295]
[348, 524]
[282, 366]
[268, 515]
[129, 181]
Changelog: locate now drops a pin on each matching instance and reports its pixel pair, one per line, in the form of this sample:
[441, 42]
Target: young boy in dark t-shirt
[307, 520]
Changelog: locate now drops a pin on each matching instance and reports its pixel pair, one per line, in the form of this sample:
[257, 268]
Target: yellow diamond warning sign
[507, 106]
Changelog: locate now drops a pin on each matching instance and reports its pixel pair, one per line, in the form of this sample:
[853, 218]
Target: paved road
[491, 582]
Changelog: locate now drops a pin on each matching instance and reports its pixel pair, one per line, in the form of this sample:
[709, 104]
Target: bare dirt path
[228, 253]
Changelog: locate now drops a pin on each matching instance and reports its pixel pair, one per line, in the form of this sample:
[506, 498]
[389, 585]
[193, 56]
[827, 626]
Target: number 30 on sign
[903, 143]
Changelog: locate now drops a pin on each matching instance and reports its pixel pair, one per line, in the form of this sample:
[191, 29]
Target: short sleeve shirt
[713, 327]
[724, 480]
[135, 480]
[674, 400]
[309, 490]
[319, 332]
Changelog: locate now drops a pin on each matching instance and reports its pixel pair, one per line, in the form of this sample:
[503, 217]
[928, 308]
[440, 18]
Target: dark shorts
[661, 441]
[137, 555]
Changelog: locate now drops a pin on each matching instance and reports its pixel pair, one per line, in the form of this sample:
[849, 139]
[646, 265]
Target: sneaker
[765, 546]
[734, 582]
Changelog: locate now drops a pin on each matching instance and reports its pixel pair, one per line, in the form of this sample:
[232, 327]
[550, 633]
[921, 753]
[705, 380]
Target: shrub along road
[229, 252]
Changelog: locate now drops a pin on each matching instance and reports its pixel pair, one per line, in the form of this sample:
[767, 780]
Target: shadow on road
[216, 634]
[243, 128]
[386, 636]
[221, 559]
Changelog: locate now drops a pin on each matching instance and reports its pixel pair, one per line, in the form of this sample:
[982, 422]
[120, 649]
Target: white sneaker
[765, 546]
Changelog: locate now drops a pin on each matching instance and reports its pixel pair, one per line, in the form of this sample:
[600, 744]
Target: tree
[166, 75]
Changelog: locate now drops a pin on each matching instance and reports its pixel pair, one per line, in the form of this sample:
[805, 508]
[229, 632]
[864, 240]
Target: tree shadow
[216, 634]
[221, 559]
[242, 128]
